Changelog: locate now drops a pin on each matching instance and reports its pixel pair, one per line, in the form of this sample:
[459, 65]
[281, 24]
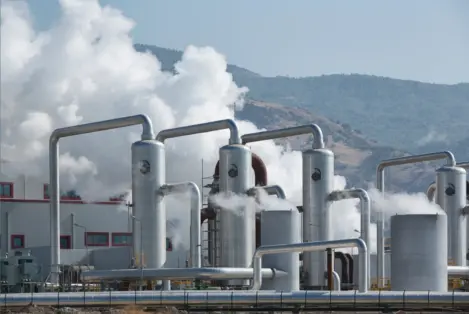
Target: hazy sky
[426, 40]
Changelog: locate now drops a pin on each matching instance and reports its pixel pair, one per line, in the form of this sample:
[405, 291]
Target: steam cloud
[84, 69]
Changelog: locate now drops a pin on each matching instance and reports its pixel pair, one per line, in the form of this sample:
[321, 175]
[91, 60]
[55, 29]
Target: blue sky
[424, 40]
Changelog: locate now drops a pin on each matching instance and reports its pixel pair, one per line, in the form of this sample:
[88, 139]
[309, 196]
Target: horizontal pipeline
[393, 299]
[205, 273]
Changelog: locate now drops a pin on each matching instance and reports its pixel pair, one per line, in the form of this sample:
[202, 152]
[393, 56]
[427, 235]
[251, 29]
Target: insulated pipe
[307, 300]
[310, 247]
[336, 279]
[458, 271]
[318, 138]
[269, 189]
[57, 134]
[365, 213]
[206, 273]
[345, 277]
[202, 128]
[350, 265]
[195, 229]
[451, 161]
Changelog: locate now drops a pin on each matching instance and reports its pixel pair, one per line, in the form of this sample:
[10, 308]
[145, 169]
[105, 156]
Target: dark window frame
[96, 234]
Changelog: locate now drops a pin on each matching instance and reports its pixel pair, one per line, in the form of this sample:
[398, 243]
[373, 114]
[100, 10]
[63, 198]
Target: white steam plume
[84, 69]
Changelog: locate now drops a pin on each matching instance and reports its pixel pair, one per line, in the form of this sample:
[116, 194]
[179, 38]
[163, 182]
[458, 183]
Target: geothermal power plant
[268, 260]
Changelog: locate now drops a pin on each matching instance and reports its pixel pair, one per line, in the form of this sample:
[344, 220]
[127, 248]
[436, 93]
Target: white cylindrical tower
[318, 183]
[419, 249]
[149, 215]
[451, 196]
[281, 227]
[237, 224]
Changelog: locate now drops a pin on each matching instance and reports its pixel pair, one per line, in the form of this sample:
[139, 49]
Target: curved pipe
[312, 247]
[195, 228]
[320, 300]
[314, 129]
[350, 265]
[344, 266]
[202, 128]
[206, 273]
[450, 161]
[54, 173]
[365, 212]
[269, 189]
[336, 278]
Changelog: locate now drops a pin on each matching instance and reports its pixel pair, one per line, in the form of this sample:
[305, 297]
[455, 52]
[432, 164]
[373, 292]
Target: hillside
[380, 107]
[356, 156]
[365, 118]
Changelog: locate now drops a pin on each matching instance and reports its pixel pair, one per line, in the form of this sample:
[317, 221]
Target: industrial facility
[240, 261]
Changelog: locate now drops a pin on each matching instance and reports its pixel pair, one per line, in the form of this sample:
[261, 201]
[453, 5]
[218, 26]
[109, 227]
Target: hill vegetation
[365, 118]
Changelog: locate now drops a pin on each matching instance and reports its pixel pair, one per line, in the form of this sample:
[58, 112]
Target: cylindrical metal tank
[237, 224]
[451, 196]
[318, 183]
[419, 249]
[149, 221]
[281, 227]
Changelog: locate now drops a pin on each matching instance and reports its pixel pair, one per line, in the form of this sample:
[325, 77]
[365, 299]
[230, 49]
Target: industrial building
[88, 235]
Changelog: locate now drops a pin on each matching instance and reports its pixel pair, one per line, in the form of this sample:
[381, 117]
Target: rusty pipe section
[311, 247]
[54, 173]
[365, 213]
[202, 128]
[314, 129]
[195, 228]
[450, 161]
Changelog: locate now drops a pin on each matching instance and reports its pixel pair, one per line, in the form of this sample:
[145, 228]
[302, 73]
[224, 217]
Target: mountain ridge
[365, 118]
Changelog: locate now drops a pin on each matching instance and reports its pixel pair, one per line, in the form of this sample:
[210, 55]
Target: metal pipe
[202, 128]
[330, 268]
[318, 138]
[206, 273]
[195, 238]
[269, 189]
[391, 300]
[311, 247]
[337, 281]
[458, 271]
[54, 183]
[432, 188]
[451, 161]
[365, 214]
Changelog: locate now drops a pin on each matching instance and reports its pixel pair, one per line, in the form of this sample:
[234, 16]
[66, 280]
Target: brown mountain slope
[356, 156]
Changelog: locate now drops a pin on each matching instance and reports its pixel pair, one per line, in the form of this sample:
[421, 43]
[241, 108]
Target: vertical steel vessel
[318, 183]
[237, 223]
[451, 196]
[149, 223]
[419, 249]
[281, 227]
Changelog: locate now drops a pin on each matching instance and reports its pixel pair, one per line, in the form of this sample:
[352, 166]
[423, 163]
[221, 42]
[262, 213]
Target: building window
[70, 195]
[96, 239]
[169, 245]
[6, 190]
[122, 239]
[17, 241]
[65, 242]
